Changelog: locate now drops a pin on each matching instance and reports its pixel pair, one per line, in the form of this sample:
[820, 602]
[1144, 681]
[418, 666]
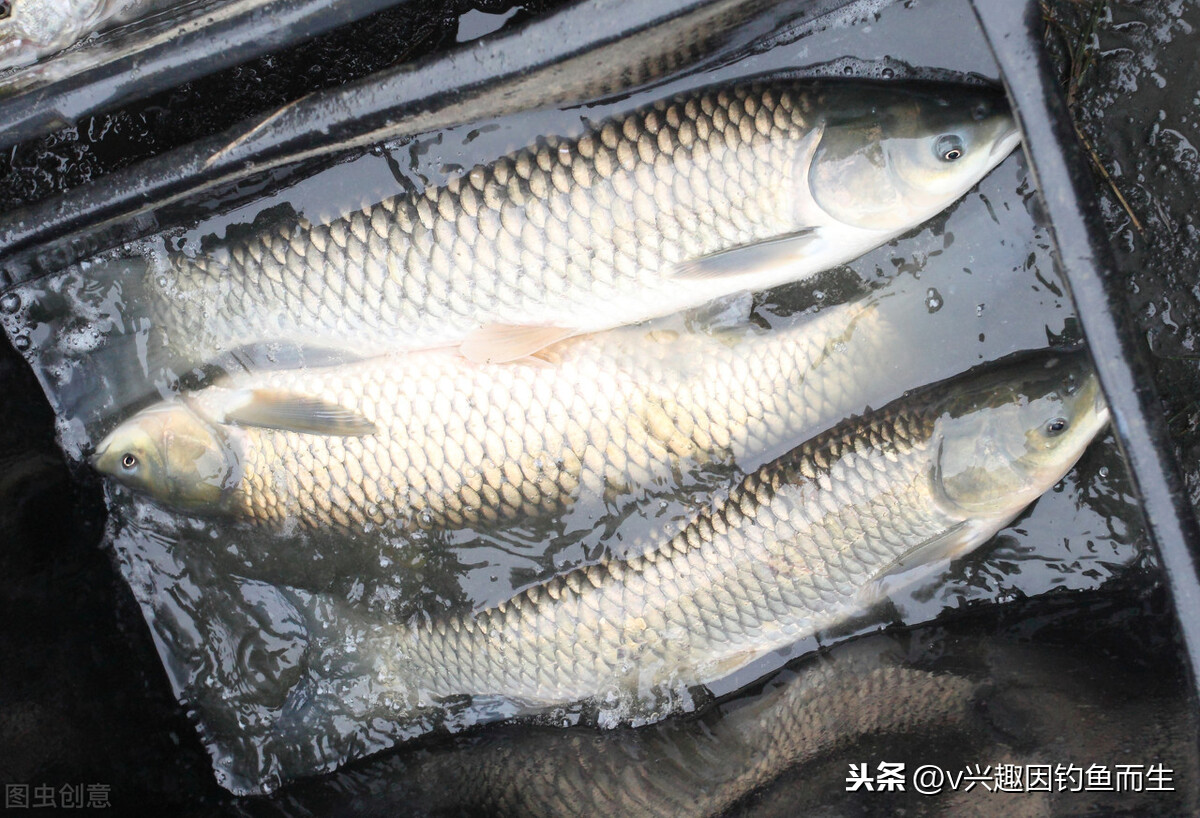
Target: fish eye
[948, 148]
[129, 461]
[1056, 427]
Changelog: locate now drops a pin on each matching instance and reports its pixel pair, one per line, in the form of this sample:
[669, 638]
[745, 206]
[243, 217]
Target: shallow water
[971, 286]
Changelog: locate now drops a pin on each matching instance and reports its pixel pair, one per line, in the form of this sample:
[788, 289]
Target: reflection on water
[229, 602]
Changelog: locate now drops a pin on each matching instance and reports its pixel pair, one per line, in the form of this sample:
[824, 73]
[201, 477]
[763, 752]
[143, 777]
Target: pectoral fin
[747, 259]
[954, 542]
[288, 412]
[505, 343]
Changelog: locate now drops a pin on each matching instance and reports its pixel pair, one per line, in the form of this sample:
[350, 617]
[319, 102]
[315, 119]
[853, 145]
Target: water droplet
[933, 300]
[1104, 471]
[10, 303]
[888, 73]
[848, 70]
[979, 309]
[22, 343]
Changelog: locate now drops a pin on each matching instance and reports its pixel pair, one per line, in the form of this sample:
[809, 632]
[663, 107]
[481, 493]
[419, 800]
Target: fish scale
[454, 443]
[773, 560]
[579, 234]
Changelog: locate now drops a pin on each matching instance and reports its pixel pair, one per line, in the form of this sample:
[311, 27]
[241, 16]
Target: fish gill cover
[279, 596]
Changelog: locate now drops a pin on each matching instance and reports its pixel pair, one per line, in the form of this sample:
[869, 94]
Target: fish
[431, 440]
[37, 28]
[803, 543]
[791, 742]
[694, 197]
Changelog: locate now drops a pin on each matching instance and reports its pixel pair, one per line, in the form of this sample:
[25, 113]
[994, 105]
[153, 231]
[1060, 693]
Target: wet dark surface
[1136, 99]
[83, 698]
[105, 142]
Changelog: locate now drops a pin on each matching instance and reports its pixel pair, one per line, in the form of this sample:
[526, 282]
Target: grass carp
[800, 545]
[784, 751]
[430, 439]
[688, 199]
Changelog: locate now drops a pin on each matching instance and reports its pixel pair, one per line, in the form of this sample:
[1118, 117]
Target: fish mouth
[96, 460]
[1005, 144]
[1101, 415]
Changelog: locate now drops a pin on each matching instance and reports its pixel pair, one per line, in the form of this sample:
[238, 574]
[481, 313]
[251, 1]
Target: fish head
[895, 156]
[171, 453]
[1010, 434]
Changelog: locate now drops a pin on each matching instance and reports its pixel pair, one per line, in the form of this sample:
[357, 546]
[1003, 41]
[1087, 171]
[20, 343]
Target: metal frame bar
[65, 88]
[1065, 187]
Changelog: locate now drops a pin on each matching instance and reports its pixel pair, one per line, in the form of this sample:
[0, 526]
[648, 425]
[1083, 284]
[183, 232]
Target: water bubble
[22, 343]
[933, 300]
[848, 70]
[10, 303]
[887, 73]
[979, 309]
[1104, 471]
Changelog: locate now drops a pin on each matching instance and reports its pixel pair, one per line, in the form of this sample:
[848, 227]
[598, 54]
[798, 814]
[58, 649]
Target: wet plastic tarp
[247, 621]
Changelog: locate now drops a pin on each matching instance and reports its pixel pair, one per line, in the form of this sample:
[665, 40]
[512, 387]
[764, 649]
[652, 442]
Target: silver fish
[688, 199]
[800, 545]
[429, 439]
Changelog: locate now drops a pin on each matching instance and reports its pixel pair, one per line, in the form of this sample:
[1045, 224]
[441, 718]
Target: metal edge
[584, 50]
[80, 83]
[1013, 30]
